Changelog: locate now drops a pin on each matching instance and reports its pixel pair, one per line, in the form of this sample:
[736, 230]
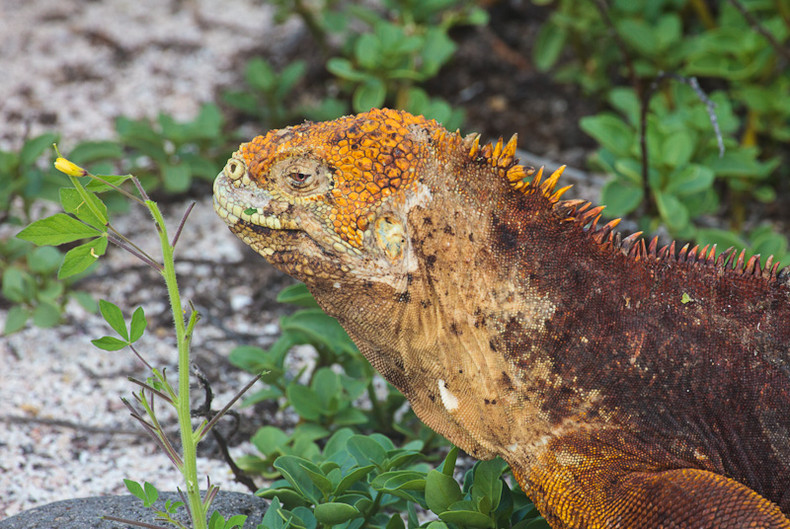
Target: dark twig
[238, 473]
[603, 7]
[181, 224]
[230, 403]
[205, 411]
[759, 28]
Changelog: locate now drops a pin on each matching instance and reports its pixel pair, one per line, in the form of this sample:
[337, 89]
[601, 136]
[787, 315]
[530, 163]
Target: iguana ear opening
[390, 237]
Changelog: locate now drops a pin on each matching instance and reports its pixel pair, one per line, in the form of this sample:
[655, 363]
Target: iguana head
[327, 201]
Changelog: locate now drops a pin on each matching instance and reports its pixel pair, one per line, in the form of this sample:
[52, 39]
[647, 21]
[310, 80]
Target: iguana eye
[299, 180]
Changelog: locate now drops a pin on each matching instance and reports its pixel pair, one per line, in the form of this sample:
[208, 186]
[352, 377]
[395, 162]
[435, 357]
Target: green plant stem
[378, 411]
[188, 438]
[372, 511]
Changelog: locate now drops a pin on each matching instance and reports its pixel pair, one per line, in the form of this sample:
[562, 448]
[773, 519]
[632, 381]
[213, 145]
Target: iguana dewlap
[627, 385]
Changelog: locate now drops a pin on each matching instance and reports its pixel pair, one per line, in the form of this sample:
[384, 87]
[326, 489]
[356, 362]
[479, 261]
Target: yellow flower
[70, 168]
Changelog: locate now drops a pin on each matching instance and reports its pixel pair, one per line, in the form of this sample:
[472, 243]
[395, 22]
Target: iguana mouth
[236, 201]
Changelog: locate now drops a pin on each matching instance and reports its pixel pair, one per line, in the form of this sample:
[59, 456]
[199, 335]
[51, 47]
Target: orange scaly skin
[627, 385]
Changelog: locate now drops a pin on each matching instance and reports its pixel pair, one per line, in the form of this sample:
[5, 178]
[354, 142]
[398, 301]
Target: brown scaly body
[626, 385]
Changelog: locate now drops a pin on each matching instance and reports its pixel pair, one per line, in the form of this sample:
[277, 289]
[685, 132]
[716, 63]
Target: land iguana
[626, 384]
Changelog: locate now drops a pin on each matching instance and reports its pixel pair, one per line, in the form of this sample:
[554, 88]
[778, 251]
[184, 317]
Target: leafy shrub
[656, 46]
[269, 94]
[365, 481]
[168, 154]
[22, 177]
[327, 400]
[378, 59]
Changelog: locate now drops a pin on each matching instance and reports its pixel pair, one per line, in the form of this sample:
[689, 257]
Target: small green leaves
[114, 317]
[147, 493]
[685, 298]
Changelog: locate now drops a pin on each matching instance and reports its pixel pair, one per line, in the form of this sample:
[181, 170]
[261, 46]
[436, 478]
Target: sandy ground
[72, 66]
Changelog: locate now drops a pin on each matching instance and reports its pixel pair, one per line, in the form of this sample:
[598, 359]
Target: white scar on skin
[448, 399]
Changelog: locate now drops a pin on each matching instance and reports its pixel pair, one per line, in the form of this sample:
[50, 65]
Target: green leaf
[98, 187]
[272, 517]
[345, 70]
[396, 522]
[365, 450]
[639, 34]
[177, 178]
[15, 319]
[269, 440]
[548, 46]
[399, 480]
[17, 285]
[318, 328]
[487, 483]
[677, 148]
[620, 197]
[135, 488]
[109, 343]
[138, 324]
[333, 513]
[72, 203]
[626, 101]
[113, 315]
[441, 491]
[57, 229]
[34, 147]
[44, 260]
[448, 466]
[610, 131]
[436, 50]
[260, 75]
[151, 493]
[672, 211]
[305, 401]
[236, 521]
[358, 474]
[46, 315]
[81, 257]
[297, 295]
[289, 76]
[293, 470]
[319, 480]
[369, 95]
[216, 521]
[208, 123]
[367, 51]
[690, 179]
[466, 518]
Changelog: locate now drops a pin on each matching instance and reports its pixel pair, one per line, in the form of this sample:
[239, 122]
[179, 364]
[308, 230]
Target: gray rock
[86, 513]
